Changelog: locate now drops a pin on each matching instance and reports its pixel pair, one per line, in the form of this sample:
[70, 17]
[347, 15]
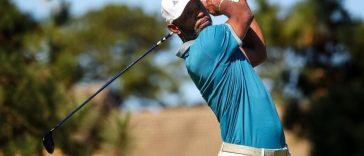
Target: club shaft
[111, 80]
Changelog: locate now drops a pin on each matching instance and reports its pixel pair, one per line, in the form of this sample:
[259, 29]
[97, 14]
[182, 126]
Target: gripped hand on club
[212, 6]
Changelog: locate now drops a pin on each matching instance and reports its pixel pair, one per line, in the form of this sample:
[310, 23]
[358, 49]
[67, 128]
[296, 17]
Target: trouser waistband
[252, 151]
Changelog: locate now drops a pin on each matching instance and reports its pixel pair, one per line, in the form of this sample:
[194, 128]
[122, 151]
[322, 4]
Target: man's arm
[238, 12]
[241, 19]
[254, 45]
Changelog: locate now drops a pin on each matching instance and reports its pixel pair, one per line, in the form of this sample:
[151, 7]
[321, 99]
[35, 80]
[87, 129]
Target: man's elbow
[261, 57]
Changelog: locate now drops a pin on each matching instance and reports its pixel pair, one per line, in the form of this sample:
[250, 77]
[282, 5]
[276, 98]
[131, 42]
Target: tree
[42, 62]
[25, 86]
[327, 110]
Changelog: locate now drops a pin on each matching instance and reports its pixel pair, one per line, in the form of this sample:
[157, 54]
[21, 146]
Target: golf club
[48, 141]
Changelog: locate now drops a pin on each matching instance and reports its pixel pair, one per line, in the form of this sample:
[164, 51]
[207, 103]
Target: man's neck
[186, 39]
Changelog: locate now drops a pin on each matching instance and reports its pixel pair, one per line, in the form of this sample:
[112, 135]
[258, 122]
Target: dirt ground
[186, 132]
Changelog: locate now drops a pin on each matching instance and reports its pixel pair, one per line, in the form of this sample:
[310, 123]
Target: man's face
[193, 20]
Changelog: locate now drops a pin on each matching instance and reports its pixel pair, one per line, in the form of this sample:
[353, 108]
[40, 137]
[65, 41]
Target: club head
[48, 142]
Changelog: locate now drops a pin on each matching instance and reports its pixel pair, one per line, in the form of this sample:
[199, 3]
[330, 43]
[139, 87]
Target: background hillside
[187, 132]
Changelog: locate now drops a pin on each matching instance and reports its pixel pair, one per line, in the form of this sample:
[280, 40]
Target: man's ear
[174, 28]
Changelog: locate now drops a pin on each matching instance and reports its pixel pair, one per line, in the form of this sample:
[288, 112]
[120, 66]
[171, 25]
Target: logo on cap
[175, 2]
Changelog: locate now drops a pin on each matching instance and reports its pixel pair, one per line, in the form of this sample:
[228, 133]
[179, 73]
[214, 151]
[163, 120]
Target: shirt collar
[184, 48]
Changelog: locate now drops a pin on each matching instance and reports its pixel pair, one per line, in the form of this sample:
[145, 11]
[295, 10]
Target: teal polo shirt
[232, 89]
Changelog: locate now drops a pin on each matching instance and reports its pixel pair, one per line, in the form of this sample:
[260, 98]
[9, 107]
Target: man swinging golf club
[220, 61]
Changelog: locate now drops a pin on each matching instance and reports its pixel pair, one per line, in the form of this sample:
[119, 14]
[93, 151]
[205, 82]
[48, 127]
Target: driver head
[48, 142]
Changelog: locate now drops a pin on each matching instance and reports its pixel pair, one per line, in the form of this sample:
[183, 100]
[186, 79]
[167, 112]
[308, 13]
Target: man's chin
[203, 26]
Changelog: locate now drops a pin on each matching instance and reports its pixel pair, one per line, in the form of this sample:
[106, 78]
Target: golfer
[220, 61]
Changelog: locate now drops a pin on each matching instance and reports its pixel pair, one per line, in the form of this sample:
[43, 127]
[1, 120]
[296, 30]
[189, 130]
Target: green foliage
[23, 99]
[106, 41]
[331, 81]
[43, 62]
[268, 23]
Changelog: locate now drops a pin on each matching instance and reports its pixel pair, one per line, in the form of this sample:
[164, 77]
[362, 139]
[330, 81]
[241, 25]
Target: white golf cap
[172, 9]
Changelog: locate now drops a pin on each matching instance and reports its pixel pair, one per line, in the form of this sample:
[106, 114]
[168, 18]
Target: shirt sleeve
[219, 42]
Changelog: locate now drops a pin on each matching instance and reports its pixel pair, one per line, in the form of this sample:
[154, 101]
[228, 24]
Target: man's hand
[212, 6]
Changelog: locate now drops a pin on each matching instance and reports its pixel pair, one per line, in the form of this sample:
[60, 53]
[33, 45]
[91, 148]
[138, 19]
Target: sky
[41, 9]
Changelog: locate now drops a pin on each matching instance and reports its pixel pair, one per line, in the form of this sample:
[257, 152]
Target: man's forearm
[254, 44]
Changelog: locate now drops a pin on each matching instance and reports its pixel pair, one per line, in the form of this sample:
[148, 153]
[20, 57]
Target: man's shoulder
[213, 30]
[208, 44]
[211, 35]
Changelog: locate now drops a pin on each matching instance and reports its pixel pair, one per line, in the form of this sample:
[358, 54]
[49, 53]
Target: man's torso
[233, 90]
